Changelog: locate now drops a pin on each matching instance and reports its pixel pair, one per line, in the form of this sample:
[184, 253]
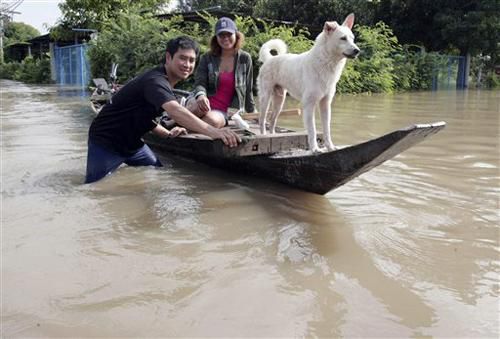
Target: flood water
[409, 249]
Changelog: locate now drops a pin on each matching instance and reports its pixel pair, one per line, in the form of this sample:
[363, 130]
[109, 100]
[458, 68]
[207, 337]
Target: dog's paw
[316, 150]
[330, 148]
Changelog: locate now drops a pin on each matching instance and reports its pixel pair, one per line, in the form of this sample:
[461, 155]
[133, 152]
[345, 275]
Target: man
[115, 134]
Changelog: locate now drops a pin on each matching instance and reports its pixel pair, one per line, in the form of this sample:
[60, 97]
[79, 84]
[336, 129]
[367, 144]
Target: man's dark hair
[183, 42]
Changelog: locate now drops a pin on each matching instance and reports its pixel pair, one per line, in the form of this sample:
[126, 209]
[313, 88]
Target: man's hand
[176, 131]
[228, 137]
[203, 103]
[161, 131]
[185, 118]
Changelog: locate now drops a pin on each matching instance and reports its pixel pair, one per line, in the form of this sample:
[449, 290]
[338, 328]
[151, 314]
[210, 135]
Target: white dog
[310, 77]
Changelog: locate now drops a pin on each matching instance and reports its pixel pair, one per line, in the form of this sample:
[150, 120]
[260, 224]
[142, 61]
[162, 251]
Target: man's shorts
[101, 162]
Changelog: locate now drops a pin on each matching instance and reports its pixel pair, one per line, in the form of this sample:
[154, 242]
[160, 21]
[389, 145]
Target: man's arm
[190, 121]
[161, 131]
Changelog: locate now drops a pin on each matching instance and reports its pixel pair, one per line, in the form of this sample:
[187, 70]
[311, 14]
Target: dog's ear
[330, 26]
[349, 21]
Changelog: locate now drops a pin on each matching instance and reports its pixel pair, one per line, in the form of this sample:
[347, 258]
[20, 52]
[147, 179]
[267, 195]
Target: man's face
[182, 63]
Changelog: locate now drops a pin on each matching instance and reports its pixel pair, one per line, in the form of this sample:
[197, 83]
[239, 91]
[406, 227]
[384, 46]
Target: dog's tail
[275, 44]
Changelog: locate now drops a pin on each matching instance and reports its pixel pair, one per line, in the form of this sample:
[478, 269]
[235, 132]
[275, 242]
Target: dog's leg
[279, 95]
[308, 105]
[325, 107]
[264, 99]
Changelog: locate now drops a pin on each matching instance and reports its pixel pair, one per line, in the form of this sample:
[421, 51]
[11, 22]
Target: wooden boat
[283, 156]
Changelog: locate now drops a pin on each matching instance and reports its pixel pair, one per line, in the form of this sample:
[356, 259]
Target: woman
[224, 78]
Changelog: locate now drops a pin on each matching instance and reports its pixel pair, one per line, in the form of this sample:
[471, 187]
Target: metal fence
[451, 75]
[71, 65]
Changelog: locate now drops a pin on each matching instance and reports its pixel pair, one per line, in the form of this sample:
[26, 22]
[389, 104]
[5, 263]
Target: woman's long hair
[216, 50]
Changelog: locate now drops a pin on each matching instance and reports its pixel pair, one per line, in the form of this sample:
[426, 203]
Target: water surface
[409, 249]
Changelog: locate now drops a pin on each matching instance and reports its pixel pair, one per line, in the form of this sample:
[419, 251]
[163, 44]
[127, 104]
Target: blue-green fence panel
[450, 76]
[71, 65]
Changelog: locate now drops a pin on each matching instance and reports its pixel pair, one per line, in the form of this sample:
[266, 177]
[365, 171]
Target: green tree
[15, 32]
[468, 26]
[314, 13]
[136, 42]
[18, 32]
[94, 14]
[235, 6]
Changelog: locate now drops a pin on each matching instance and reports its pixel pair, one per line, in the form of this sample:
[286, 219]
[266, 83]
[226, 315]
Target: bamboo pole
[290, 111]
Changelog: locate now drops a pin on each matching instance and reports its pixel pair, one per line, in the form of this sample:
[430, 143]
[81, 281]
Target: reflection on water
[407, 249]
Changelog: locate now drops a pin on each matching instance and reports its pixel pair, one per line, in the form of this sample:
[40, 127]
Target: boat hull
[282, 157]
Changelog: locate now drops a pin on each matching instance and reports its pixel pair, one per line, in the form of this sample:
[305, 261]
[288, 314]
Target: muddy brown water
[409, 249]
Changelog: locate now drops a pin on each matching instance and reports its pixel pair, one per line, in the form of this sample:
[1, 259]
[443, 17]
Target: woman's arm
[201, 77]
[249, 102]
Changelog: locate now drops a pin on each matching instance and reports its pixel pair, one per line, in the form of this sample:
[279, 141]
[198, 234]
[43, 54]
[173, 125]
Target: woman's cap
[225, 25]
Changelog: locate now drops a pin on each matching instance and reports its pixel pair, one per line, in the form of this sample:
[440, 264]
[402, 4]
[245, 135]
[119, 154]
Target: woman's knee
[215, 118]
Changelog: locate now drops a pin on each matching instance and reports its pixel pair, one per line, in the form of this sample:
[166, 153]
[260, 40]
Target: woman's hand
[203, 103]
[176, 131]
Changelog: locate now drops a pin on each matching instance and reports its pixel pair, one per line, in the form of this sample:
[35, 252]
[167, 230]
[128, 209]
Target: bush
[483, 72]
[137, 42]
[30, 70]
[373, 71]
[415, 69]
[491, 80]
[7, 70]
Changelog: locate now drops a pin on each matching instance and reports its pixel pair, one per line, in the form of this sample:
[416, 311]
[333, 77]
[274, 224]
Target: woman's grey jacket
[206, 79]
